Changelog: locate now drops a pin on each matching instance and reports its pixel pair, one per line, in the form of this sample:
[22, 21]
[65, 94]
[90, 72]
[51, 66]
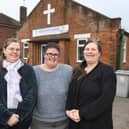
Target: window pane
[82, 42]
[25, 52]
[26, 45]
[80, 46]
[80, 53]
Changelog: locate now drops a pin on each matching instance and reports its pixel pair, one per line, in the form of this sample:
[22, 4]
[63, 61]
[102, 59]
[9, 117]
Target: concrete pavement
[121, 113]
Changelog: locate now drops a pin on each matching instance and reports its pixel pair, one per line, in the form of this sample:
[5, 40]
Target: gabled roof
[93, 10]
[7, 21]
[77, 3]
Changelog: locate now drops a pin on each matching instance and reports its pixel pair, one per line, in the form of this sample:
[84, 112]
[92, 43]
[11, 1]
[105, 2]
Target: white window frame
[79, 46]
[78, 37]
[124, 49]
[25, 42]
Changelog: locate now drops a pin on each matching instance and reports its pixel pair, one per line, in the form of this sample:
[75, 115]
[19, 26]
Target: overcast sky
[110, 8]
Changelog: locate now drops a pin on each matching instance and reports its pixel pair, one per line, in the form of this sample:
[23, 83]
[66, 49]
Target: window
[25, 50]
[80, 45]
[81, 40]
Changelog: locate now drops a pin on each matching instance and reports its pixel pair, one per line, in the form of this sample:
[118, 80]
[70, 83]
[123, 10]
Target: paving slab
[121, 113]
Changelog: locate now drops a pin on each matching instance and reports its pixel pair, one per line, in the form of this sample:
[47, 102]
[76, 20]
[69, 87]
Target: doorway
[43, 48]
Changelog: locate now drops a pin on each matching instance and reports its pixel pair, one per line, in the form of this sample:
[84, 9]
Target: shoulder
[66, 66]
[106, 69]
[26, 69]
[38, 71]
[36, 67]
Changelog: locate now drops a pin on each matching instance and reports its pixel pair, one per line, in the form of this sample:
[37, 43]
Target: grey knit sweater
[52, 93]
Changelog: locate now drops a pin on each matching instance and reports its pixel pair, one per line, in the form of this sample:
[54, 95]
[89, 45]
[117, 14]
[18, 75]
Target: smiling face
[52, 57]
[12, 52]
[91, 53]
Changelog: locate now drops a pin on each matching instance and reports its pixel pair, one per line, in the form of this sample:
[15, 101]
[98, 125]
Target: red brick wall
[81, 20]
[6, 33]
[84, 20]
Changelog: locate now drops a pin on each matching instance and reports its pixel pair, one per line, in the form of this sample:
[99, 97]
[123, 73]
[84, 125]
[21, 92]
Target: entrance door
[43, 47]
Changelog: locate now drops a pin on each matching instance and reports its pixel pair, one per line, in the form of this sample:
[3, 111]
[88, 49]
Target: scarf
[13, 83]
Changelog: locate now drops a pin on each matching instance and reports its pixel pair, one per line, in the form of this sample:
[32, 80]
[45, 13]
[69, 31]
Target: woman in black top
[17, 88]
[91, 92]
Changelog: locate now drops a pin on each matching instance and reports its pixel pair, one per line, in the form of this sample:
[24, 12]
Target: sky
[110, 8]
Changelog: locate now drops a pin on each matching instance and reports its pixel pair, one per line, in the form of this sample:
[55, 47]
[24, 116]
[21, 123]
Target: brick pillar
[64, 57]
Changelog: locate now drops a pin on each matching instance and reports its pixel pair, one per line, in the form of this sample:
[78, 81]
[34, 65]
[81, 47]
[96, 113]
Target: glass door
[43, 47]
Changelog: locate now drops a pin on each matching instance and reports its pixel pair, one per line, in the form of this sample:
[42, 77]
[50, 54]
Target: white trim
[79, 37]
[82, 36]
[25, 47]
[77, 52]
[25, 41]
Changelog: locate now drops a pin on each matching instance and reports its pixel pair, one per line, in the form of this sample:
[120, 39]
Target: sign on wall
[50, 30]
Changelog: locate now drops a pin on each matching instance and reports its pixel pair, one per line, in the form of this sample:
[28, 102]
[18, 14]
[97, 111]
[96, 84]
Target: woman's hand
[13, 120]
[73, 115]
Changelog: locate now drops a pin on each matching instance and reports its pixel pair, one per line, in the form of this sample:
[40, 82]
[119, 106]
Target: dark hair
[97, 42]
[79, 71]
[52, 45]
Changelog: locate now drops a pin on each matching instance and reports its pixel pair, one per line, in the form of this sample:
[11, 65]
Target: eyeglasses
[13, 49]
[52, 54]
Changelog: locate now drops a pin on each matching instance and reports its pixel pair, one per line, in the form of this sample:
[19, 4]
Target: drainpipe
[120, 54]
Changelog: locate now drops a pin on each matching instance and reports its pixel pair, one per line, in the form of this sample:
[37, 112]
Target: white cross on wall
[48, 12]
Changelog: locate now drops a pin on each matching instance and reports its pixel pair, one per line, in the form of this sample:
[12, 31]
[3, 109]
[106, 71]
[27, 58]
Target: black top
[28, 87]
[93, 95]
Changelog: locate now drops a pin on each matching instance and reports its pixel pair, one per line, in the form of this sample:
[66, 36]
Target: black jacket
[93, 95]
[28, 87]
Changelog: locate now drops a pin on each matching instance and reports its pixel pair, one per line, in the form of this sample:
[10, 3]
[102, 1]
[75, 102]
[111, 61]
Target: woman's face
[52, 57]
[12, 52]
[91, 53]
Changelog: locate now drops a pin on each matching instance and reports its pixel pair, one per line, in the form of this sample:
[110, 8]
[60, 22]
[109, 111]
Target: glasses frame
[55, 55]
[13, 49]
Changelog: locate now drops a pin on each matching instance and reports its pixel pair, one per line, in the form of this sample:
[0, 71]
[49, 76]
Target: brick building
[8, 28]
[70, 24]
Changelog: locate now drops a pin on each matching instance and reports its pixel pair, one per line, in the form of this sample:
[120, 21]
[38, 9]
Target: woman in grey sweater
[53, 81]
